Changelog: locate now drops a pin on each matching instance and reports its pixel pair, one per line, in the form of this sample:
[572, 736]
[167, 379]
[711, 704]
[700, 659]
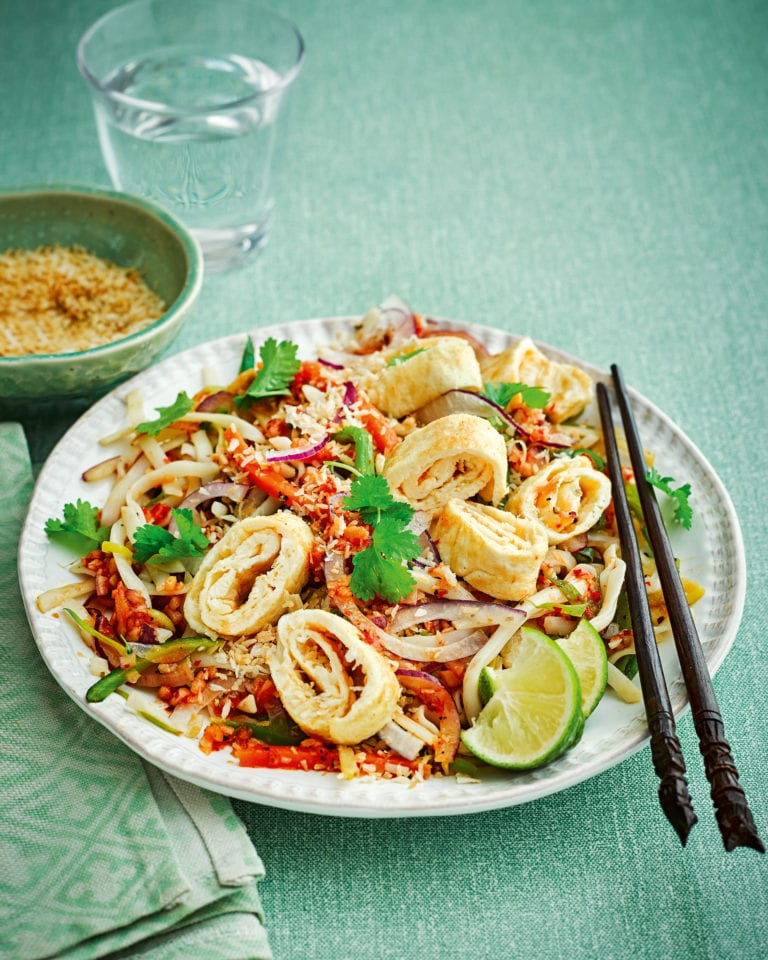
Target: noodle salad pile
[311, 565]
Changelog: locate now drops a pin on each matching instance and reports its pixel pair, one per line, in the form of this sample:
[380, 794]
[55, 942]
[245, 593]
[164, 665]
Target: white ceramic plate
[711, 553]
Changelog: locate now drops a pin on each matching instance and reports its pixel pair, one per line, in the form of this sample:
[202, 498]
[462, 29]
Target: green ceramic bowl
[125, 230]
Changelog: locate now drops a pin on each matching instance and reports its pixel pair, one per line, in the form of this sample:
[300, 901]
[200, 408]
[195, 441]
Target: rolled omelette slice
[491, 549]
[332, 683]
[251, 576]
[568, 496]
[456, 456]
[421, 371]
[569, 387]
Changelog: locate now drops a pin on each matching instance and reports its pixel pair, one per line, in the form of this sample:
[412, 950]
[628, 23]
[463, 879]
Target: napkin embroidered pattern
[101, 855]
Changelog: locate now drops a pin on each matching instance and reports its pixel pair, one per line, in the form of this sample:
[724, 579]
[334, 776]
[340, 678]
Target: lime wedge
[533, 710]
[486, 684]
[586, 651]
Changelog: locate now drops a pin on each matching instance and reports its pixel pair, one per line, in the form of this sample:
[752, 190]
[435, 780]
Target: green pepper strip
[276, 731]
[586, 452]
[569, 590]
[628, 665]
[567, 609]
[171, 651]
[363, 442]
[462, 765]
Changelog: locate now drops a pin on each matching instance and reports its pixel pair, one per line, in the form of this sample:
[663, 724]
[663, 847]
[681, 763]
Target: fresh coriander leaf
[500, 393]
[189, 531]
[248, 360]
[398, 510]
[534, 397]
[79, 530]
[401, 358]
[168, 415]
[279, 365]
[683, 510]
[373, 574]
[151, 542]
[148, 541]
[369, 492]
[588, 555]
[371, 497]
[379, 569]
[393, 541]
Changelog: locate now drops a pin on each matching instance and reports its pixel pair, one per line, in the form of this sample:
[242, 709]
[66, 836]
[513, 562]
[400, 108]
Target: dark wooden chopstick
[734, 818]
[666, 752]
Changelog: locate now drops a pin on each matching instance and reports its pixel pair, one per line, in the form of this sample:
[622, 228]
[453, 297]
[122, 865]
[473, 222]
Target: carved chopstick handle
[734, 818]
[668, 762]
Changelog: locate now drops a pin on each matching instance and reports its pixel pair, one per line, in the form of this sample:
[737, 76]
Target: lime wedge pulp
[586, 651]
[533, 712]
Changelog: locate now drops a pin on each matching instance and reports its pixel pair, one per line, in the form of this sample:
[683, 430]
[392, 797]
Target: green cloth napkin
[100, 854]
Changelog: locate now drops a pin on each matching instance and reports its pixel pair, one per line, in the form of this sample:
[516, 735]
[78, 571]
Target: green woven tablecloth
[100, 854]
[594, 175]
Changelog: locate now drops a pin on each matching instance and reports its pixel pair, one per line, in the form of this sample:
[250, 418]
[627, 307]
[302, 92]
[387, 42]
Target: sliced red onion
[437, 698]
[465, 401]
[398, 318]
[465, 638]
[468, 401]
[214, 402]
[461, 613]
[236, 492]
[429, 544]
[147, 634]
[254, 498]
[350, 396]
[411, 648]
[329, 363]
[297, 453]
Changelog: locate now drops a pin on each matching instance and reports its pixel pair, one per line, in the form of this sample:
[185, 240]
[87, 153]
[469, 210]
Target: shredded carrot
[378, 426]
[263, 476]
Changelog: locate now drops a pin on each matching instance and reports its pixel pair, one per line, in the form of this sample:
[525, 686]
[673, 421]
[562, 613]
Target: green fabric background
[593, 174]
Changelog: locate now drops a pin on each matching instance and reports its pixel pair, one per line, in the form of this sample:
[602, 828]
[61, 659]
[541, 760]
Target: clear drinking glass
[187, 95]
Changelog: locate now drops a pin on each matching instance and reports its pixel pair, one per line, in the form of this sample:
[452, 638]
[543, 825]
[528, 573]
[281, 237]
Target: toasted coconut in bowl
[94, 285]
